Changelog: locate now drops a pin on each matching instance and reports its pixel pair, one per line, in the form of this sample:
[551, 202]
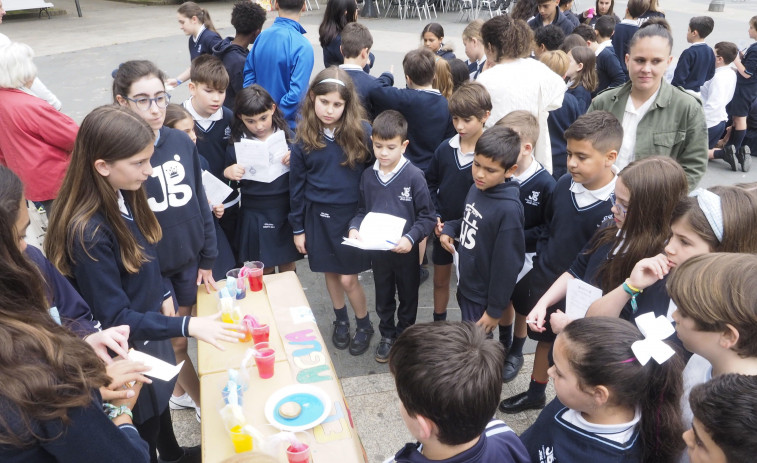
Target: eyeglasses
[144, 103]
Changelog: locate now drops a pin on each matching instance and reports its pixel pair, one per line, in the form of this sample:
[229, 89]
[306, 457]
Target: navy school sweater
[212, 142]
[498, 444]
[582, 95]
[332, 55]
[90, 436]
[428, 119]
[696, 65]
[569, 229]
[445, 53]
[405, 195]
[535, 195]
[492, 245]
[560, 21]
[176, 196]
[609, 71]
[233, 57]
[552, 438]
[750, 67]
[620, 40]
[557, 122]
[448, 182]
[319, 177]
[278, 187]
[204, 44]
[74, 312]
[365, 83]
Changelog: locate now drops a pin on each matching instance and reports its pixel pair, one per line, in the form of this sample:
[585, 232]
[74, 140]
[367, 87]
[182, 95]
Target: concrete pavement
[75, 57]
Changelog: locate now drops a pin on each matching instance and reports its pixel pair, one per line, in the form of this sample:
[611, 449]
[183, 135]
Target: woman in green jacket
[658, 119]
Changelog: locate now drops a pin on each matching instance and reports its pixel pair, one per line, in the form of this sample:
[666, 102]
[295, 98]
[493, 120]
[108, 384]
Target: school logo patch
[269, 225]
[227, 133]
[405, 195]
[533, 199]
[325, 215]
[547, 454]
[607, 217]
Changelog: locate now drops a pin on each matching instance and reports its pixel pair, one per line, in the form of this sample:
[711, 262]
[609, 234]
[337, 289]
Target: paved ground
[75, 57]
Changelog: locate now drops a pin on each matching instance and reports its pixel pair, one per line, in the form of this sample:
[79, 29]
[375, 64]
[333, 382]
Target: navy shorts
[742, 100]
[439, 255]
[715, 133]
[184, 285]
[471, 311]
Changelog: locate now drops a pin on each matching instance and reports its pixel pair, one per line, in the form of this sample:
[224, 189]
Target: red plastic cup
[260, 333]
[255, 275]
[265, 358]
[298, 454]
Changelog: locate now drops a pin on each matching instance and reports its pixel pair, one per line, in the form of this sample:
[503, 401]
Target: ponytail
[190, 9]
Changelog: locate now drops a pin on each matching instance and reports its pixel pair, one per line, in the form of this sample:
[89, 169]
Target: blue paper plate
[315, 404]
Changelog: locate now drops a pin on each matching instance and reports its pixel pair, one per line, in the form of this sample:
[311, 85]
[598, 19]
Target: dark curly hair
[247, 17]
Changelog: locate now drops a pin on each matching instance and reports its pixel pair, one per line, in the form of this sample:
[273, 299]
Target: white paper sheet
[161, 370]
[579, 297]
[456, 263]
[262, 159]
[379, 232]
[215, 190]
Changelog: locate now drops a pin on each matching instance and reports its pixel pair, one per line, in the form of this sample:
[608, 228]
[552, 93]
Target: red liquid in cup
[255, 277]
[264, 360]
[298, 454]
[260, 334]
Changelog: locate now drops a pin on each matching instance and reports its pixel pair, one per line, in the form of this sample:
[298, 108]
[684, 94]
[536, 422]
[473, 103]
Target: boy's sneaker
[181, 402]
[729, 156]
[361, 341]
[341, 335]
[744, 156]
[383, 349]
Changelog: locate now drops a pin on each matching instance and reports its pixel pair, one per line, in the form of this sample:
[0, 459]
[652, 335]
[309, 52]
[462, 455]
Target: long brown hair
[350, 135]
[443, 78]
[599, 351]
[44, 368]
[587, 76]
[110, 133]
[656, 184]
[190, 9]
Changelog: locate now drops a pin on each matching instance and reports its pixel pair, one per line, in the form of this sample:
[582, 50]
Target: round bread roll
[290, 410]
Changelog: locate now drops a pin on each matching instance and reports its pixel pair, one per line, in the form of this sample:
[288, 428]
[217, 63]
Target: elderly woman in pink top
[36, 139]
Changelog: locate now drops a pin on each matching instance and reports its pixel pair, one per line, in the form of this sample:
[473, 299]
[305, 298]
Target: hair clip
[331, 80]
[655, 330]
[712, 208]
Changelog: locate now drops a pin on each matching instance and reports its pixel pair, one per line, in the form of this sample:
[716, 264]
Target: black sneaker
[361, 341]
[729, 156]
[382, 351]
[522, 402]
[744, 156]
[424, 274]
[513, 364]
[341, 335]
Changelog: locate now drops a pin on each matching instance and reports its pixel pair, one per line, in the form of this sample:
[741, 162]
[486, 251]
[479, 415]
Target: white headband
[710, 205]
[331, 80]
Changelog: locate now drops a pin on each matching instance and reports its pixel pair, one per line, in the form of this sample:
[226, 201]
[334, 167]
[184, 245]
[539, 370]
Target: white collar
[400, 163]
[600, 194]
[633, 22]
[605, 430]
[699, 43]
[428, 90]
[329, 133]
[601, 46]
[216, 116]
[528, 172]
[199, 33]
[348, 66]
[122, 204]
[644, 106]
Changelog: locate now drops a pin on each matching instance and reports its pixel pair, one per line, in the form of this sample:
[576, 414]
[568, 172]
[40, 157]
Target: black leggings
[158, 433]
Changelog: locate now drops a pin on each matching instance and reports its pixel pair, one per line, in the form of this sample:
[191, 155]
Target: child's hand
[206, 277]
[404, 246]
[212, 331]
[487, 323]
[285, 159]
[299, 243]
[448, 243]
[167, 308]
[122, 373]
[439, 227]
[234, 172]
[558, 321]
[648, 271]
[218, 211]
[536, 317]
[115, 338]
[354, 234]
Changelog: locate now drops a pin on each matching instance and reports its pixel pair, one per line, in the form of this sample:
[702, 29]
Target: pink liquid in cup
[260, 333]
[265, 358]
[298, 453]
[255, 275]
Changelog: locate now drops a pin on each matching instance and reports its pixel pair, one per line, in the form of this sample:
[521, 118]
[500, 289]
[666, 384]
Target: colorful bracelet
[178, 82]
[113, 412]
[633, 292]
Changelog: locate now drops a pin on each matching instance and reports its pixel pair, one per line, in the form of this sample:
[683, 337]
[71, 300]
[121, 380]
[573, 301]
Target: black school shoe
[383, 349]
[513, 364]
[522, 402]
[341, 335]
[729, 156]
[361, 341]
[744, 156]
[191, 455]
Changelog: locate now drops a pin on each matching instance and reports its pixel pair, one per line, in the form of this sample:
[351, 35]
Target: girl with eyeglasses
[646, 193]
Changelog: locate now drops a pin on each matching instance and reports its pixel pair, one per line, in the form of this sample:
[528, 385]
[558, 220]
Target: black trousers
[398, 273]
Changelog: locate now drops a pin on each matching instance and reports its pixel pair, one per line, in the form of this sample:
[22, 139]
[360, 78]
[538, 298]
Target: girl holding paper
[646, 193]
[263, 233]
[106, 237]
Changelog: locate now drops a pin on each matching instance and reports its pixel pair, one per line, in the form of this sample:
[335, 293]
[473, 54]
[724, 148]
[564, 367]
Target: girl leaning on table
[106, 244]
[54, 384]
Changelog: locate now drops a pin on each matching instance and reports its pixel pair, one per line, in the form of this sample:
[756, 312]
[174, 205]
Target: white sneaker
[181, 402]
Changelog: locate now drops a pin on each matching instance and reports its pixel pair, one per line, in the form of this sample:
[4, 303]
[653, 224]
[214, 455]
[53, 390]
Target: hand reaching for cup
[211, 330]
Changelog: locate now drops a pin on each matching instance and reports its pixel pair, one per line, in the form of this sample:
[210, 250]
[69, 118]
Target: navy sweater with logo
[609, 71]
[448, 182]
[536, 194]
[492, 245]
[405, 195]
[176, 196]
[204, 44]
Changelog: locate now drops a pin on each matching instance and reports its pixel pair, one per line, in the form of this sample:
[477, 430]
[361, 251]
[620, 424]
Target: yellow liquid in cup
[242, 442]
[226, 317]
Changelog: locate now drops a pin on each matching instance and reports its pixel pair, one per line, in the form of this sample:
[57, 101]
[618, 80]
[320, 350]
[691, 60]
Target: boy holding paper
[394, 186]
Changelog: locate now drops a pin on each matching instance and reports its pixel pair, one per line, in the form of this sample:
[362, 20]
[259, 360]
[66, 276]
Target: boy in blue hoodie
[492, 242]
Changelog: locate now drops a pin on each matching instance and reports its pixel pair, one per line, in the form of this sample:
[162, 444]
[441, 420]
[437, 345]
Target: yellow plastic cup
[241, 440]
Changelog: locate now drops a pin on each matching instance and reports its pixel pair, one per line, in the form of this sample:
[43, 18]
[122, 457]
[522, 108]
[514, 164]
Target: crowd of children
[556, 155]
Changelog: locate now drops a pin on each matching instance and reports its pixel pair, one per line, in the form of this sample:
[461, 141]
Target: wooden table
[301, 357]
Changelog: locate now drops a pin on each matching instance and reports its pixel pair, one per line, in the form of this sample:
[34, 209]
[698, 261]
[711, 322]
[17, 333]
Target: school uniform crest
[405, 195]
[227, 133]
[547, 454]
[533, 199]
